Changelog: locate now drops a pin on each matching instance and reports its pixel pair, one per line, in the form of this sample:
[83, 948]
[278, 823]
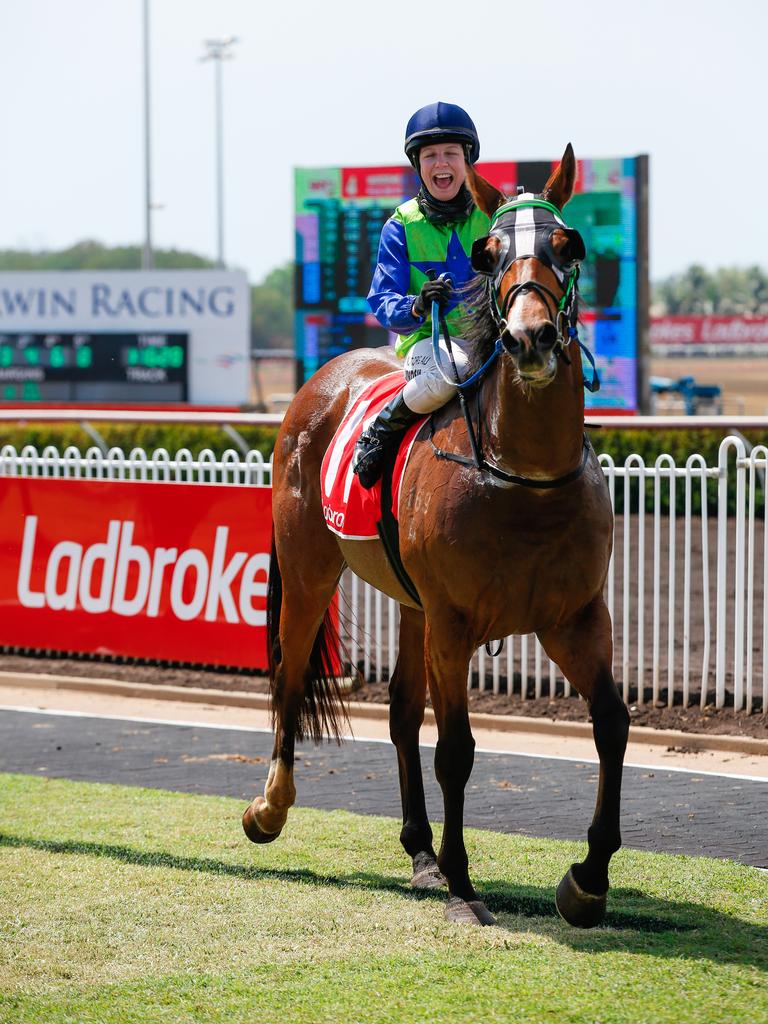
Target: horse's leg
[304, 696]
[448, 651]
[583, 648]
[407, 696]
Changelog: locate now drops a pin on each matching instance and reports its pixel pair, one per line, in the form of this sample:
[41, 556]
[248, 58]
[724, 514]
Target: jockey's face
[443, 169]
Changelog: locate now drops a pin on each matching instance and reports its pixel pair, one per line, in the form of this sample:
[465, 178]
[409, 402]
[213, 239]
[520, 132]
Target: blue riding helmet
[444, 122]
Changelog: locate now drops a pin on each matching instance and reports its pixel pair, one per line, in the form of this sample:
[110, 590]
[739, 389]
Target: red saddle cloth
[351, 511]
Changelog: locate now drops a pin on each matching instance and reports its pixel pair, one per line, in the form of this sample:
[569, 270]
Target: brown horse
[489, 557]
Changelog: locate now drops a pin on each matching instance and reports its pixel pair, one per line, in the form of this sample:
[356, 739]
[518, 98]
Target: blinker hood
[525, 228]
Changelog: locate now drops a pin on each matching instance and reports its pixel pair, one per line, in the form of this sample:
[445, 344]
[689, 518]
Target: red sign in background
[144, 570]
[707, 330]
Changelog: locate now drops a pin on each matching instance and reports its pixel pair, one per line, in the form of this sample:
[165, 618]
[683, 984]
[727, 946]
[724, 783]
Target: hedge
[680, 444]
[618, 443]
[149, 436]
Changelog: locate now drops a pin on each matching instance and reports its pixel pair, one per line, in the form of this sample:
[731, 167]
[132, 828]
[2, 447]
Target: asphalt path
[671, 811]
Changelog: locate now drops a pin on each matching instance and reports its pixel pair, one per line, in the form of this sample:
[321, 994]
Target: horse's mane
[477, 324]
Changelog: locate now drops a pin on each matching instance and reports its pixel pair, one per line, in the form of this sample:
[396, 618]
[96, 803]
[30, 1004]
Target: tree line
[727, 291]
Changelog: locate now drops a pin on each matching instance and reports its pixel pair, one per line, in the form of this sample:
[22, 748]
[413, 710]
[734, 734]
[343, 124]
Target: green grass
[127, 905]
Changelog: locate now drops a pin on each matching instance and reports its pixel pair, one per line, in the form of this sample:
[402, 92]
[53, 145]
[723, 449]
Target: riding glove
[432, 291]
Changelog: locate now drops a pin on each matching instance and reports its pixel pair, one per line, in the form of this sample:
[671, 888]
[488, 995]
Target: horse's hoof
[577, 907]
[461, 911]
[426, 873]
[252, 829]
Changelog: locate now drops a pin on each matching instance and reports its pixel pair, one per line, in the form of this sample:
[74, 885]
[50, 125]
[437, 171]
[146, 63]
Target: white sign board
[211, 306]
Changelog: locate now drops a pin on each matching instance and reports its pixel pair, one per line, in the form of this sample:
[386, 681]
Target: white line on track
[365, 739]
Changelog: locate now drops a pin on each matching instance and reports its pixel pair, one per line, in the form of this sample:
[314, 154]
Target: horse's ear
[559, 188]
[487, 197]
[485, 254]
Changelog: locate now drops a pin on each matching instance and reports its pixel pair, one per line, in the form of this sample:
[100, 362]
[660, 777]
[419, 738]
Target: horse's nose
[544, 336]
[533, 340]
[515, 342]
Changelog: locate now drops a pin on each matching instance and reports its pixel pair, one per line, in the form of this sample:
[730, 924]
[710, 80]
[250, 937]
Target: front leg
[448, 649]
[407, 696]
[583, 648]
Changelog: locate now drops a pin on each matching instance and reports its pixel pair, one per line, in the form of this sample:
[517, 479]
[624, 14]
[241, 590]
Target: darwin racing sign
[61, 309]
[174, 572]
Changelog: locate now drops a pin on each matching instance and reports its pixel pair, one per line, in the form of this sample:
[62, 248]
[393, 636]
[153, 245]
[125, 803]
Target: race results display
[339, 215]
[83, 366]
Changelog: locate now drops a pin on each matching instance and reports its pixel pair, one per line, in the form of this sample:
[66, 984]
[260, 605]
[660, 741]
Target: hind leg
[308, 573]
[407, 696]
[583, 648]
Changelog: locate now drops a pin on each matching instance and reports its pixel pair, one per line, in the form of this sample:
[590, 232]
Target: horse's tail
[322, 711]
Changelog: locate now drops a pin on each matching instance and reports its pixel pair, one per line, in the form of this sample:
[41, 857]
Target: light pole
[219, 50]
[147, 261]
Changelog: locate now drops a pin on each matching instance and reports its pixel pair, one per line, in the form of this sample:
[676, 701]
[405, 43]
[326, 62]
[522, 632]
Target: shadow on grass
[715, 935]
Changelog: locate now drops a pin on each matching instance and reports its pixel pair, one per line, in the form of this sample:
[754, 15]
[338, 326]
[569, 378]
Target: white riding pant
[426, 390]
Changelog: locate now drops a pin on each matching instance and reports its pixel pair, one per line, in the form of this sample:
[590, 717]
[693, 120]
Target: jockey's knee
[425, 393]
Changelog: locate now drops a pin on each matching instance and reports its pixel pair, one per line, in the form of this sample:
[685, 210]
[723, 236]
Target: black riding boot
[383, 434]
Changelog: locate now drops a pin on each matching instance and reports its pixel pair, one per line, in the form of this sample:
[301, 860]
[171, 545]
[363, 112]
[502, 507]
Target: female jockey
[432, 232]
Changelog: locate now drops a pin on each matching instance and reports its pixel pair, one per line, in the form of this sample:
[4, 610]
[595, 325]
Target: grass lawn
[126, 905]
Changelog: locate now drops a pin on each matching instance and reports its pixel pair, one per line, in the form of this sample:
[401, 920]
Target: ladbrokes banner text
[162, 571]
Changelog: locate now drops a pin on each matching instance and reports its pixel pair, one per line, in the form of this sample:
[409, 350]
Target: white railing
[698, 571]
[156, 467]
[686, 591]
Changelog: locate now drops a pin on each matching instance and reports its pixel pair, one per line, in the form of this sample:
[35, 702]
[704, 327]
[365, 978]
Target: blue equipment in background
[691, 393]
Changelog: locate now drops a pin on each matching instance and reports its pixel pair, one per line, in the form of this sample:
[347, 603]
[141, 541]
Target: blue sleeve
[388, 298]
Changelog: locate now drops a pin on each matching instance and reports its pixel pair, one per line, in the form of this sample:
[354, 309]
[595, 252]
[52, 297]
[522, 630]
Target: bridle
[565, 305]
[566, 327]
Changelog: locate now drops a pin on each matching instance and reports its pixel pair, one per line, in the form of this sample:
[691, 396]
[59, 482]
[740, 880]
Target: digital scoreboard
[84, 367]
[339, 215]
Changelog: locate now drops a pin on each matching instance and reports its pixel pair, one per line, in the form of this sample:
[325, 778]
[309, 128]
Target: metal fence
[137, 465]
[686, 589]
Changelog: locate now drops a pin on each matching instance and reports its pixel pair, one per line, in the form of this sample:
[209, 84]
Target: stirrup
[370, 464]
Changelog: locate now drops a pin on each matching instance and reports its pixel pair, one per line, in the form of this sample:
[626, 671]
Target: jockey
[434, 231]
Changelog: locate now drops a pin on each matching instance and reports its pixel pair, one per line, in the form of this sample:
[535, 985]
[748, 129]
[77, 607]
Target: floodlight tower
[147, 260]
[219, 50]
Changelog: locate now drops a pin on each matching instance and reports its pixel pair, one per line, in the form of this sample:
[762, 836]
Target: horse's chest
[522, 562]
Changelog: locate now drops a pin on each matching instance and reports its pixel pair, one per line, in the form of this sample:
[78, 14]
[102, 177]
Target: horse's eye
[567, 245]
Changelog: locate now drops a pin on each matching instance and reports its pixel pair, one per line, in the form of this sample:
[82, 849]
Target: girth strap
[389, 530]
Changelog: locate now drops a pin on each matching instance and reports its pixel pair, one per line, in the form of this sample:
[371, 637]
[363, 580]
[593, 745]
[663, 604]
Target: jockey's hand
[432, 291]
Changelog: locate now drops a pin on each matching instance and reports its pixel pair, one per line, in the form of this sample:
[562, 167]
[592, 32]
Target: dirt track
[692, 719]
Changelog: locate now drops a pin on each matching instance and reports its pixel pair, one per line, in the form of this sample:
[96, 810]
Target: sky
[333, 83]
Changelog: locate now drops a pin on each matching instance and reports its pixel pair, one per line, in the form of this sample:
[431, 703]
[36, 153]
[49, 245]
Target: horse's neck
[534, 432]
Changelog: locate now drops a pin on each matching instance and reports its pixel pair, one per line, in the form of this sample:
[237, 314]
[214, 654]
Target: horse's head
[530, 260]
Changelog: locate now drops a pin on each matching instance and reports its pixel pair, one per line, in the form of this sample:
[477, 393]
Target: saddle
[350, 511]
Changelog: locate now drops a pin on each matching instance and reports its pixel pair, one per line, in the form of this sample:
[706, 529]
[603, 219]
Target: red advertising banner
[376, 182]
[504, 175]
[709, 330]
[143, 570]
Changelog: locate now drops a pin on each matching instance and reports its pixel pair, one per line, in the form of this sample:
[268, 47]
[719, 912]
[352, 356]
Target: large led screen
[339, 215]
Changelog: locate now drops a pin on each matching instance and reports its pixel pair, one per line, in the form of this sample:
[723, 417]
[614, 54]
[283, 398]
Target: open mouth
[442, 182]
